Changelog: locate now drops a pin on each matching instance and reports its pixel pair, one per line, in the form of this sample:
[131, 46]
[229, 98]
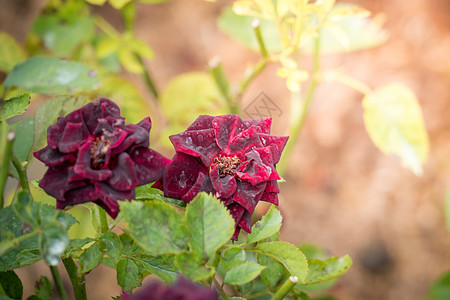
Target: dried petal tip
[230, 158]
[94, 157]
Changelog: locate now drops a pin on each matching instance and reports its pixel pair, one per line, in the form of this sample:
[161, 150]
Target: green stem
[218, 74]
[78, 282]
[348, 81]
[262, 46]
[251, 75]
[220, 289]
[106, 27]
[256, 295]
[297, 123]
[148, 79]
[7, 150]
[22, 173]
[285, 288]
[103, 220]
[58, 283]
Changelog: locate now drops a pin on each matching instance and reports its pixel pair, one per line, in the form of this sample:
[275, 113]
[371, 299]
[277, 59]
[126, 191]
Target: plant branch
[262, 46]
[78, 282]
[347, 81]
[7, 150]
[216, 69]
[22, 173]
[297, 123]
[58, 283]
[148, 79]
[285, 288]
[220, 289]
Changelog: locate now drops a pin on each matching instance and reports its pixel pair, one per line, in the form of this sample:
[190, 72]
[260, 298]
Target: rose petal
[261, 125]
[124, 174]
[244, 141]
[226, 128]
[146, 124]
[225, 186]
[245, 222]
[55, 131]
[272, 187]
[109, 197]
[54, 181]
[202, 184]
[80, 195]
[276, 143]
[53, 157]
[248, 195]
[270, 197]
[98, 109]
[137, 136]
[83, 165]
[202, 122]
[72, 137]
[149, 164]
[198, 143]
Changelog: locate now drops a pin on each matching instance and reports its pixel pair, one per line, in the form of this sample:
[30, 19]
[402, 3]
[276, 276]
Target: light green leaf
[11, 53]
[162, 266]
[288, 255]
[96, 2]
[155, 226]
[129, 60]
[266, 227]
[52, 76]
[192, 266]
[440, 289]
[49, 111]
[320, 271]
[107, 46]
[128, 276]
[111, 243]
[24, 139]
[243, 273]
[240, 28]
[274, 271]
[53, 241]
[209, 223]
[15, 106]
[394, 121]
[118, 4]
[232, 257]
[146, 192]
[91, 258]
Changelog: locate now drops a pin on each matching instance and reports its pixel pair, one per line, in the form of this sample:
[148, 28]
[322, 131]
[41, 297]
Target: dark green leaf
[240, 28]
[288, 255]
[146, 192]
[52, 76]
[232, 257]
[52, 243]
[155, 226]
[24, 139]
[90, 258]
[11, 284]
[162, 266]
[128, 276]
[243, 273]
[274, 271]
[440, 289]
[209, 223]
[192, 266]
[267, 226]
[28, 256]
[15, 106]
[49, 111]
[43, 288]
[332, 267]
[111, 243]
[77, 244]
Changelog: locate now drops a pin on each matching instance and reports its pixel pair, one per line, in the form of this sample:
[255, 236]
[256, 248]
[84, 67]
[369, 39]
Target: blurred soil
[341, 192]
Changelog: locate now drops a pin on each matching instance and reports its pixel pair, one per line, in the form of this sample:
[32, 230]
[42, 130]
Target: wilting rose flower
[230, 158]
[183, 289]
[93, 156]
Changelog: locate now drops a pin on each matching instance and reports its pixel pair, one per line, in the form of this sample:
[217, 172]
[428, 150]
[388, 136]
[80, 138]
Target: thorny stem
[285, 288]
[78, 282]
[297, 124]
[7, 150]
[22, 173]
[58, 283]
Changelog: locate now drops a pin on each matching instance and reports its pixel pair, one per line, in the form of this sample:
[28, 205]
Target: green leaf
[11, 284]
[52, 243]
[274, 271]
[240, 28]
[128, 276]
[162, 266]
[243, 273]
[447, 209]
[209, 223]
[91, 258]
[146, 192]
[111, 243]
[43, 288]
[192, 266]
[118, 4]
[28, 256]
[96, 2]
[156, 227]
[288, 255]
[52, 76]
[15, 106]
[320, 271]
[11, 53]
[24, 139]
[48, 112]
[440, 289]
[266, 227]
[232, 257]
[394, 121]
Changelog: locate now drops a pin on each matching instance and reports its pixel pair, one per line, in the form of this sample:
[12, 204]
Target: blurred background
[341, 193]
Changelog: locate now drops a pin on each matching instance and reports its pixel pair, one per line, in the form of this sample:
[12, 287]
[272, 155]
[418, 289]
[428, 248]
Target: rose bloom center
[99, 149]
[227, 164]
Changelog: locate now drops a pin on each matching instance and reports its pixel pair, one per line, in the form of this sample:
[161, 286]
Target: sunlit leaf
[118, 4]
[243, 273]
[91, 258]
[320, 271]
[274, 271]
[24, 138]
[267, 226]
[233, 257]
[162, 266]
[52, 76]
[96, 2]
[192, 266]
[15, 106]
[11, 53]
[394, 121]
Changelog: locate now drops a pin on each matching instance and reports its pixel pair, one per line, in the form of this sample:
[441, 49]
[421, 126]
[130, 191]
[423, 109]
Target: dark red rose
[230, 158]
[93, 156]
[183, 289]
